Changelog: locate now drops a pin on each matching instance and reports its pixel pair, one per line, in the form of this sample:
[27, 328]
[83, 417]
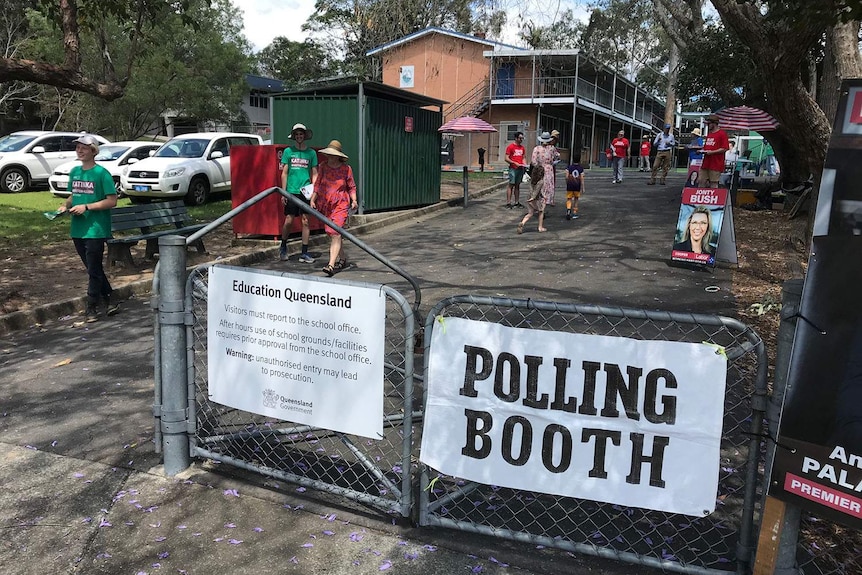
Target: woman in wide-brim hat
[547, 155]
[334, 196]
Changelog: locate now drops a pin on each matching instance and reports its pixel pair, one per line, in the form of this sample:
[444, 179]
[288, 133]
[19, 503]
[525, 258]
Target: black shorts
[292, 210]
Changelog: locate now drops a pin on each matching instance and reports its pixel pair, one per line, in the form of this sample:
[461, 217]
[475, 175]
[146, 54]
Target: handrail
[467, 101]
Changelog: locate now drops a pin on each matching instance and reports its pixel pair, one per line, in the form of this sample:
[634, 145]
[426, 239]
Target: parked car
[27, 158]
[190, 166]
[113, 157]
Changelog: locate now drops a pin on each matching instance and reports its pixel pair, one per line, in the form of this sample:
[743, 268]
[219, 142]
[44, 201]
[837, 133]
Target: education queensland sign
[304, 351]
[636, 423]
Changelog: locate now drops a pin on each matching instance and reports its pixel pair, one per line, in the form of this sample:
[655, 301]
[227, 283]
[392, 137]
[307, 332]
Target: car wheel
[199, 191]
[14, 180]
[139, 200]
[119, 187]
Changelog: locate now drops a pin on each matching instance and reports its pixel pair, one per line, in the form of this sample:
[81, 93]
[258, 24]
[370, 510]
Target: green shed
[390, 135]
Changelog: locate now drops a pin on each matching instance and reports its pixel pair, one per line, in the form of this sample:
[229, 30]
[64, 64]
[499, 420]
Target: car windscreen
[182, 148]
[14, 142]
[110, 153]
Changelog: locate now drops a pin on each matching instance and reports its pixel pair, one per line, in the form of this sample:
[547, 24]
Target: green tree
[760, 55]
[295, 63]
[192, 73]
[71, 19]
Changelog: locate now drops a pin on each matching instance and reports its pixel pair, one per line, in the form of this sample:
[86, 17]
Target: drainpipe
[360, 187]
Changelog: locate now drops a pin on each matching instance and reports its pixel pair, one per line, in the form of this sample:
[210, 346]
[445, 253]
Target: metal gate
[720, 542]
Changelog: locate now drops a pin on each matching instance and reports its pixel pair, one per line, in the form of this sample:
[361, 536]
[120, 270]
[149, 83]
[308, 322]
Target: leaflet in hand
[307, 191]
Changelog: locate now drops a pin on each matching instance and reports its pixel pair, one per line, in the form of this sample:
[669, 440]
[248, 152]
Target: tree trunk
[841, 60]
[673, 74]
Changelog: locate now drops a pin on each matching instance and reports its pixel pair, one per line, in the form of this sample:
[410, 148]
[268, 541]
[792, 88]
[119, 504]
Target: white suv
[28, 158]
[190, 166]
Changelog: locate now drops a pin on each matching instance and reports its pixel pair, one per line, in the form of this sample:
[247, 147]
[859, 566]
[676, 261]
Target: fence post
[779, 529]
[171, 317]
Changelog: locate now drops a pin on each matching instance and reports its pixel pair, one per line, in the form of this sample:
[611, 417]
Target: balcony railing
[563, 86]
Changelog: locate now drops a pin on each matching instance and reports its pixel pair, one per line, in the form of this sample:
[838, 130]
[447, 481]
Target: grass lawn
[22, 223]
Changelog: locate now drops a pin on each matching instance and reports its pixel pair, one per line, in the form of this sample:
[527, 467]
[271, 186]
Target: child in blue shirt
[574, 187]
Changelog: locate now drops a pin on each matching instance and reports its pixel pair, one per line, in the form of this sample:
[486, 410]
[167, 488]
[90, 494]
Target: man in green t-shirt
[300, 170]
[93, 196]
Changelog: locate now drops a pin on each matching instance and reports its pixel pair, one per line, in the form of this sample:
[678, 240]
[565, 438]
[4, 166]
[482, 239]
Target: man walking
[664, 143]
[619, 150]
[300, 171]
[93, 196]
[515, 157]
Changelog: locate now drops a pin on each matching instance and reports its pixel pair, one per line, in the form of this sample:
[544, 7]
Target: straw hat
[545, 137]
[297, 127]
[696, 131]
[555, 133]
[334, 149]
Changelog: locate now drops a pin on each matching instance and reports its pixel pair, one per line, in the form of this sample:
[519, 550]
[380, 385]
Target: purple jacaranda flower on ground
[257, 529]
[230, 526]
[306, 545]
[476, 569]
[328, 532]
[105, 523]
[385, 565]
[356, 536]
[429, 548]
[293, 559]
[231, 492]
[160, 539]
[164, 555]
[235, 541]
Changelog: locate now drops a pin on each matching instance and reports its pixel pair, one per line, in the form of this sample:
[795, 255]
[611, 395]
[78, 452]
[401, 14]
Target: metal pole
[466, 187]
[791, 297]
[171, 307]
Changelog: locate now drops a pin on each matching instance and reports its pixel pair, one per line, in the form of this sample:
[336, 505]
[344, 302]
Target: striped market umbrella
[467, 125]
[746, 118]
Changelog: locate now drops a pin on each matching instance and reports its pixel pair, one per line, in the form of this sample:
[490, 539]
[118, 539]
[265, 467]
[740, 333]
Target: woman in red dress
[334, 196]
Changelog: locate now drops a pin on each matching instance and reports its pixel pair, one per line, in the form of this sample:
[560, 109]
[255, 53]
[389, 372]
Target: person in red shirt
[515, 156]
[714, 147]
[619, 150]
[646, 148]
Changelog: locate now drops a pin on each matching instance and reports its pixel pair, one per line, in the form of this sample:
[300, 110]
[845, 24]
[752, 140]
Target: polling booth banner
[699, 225]
[611, 419]
[304, 351]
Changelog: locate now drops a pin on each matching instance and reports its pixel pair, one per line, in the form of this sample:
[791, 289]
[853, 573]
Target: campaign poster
[304, 351]
[611, 419]
[818, 458]
[692, 178]
[698, 228]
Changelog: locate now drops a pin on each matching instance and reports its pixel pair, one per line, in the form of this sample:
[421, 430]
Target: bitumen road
[82, 487]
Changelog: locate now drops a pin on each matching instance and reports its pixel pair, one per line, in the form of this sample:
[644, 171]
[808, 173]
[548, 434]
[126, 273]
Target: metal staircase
[473, 103]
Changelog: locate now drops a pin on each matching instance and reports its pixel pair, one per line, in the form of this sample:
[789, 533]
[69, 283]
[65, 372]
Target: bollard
[466, 187]
[171, 316]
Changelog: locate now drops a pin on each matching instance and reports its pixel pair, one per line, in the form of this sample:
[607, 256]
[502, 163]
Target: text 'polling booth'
[612, 419]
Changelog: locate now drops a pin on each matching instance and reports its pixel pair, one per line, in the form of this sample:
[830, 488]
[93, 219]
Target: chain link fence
[376, 473]
[720, 542]
[827, 548]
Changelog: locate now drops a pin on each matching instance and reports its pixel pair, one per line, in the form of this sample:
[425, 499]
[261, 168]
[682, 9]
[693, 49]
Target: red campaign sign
[856, 108]
[704, 196]
[823, 495]
[408, 123]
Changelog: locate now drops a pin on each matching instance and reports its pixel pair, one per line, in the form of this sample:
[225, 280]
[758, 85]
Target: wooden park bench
[148, 222]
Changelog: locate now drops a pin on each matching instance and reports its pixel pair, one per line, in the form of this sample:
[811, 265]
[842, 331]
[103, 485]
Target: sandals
[340, 264]
[520, 228]
[328, 270]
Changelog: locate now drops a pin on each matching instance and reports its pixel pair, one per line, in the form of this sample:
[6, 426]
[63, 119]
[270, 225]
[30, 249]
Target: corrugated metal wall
[402, 168]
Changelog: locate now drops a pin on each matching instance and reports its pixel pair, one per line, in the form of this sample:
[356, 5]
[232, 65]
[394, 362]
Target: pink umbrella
[746, 118]
[467, 125]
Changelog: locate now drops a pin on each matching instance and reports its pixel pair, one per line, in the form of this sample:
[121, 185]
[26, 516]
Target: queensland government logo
[270, 398]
